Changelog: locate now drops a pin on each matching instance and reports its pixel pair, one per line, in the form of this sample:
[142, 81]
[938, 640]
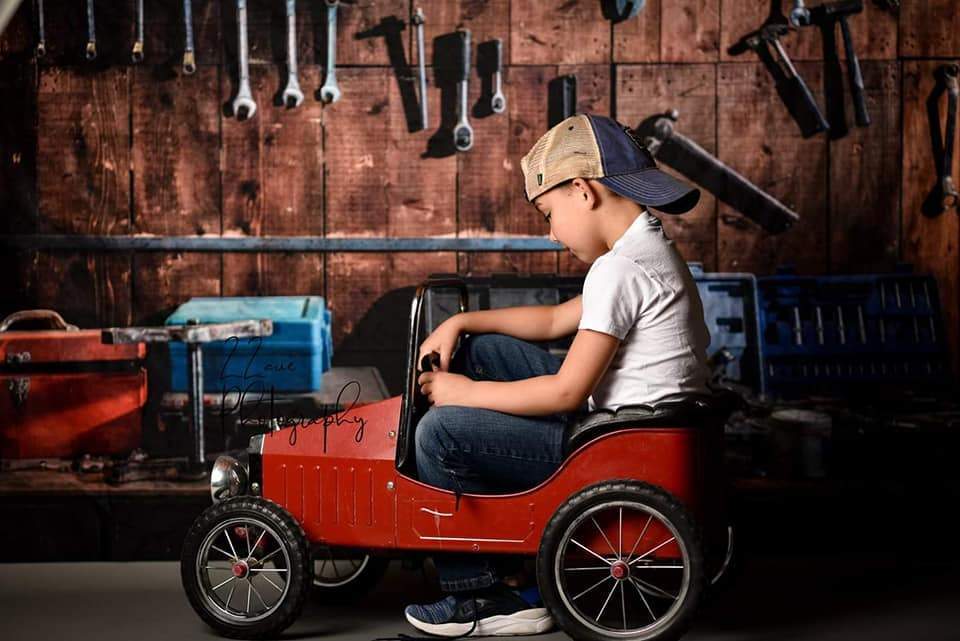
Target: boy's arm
[528, 322]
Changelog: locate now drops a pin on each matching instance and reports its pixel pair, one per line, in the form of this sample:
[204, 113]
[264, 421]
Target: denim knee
[480, 348]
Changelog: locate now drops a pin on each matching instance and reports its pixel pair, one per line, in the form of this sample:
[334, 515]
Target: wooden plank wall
[113, 148]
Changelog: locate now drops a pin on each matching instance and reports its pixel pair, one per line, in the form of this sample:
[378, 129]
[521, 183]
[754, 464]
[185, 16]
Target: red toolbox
[63, 393]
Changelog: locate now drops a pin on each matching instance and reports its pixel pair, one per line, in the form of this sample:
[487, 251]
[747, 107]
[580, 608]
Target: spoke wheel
[621, 560]
[245, 567]
[343, 574]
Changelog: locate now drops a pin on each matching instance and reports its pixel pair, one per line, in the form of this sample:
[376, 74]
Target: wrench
[330, 92]
[497, 102]
[463, 132]
[41, 37]
[292, 96]
[422, 65]
[91, 33]
[800, 16]
[243, 105]
[189, 60]
[137, 53]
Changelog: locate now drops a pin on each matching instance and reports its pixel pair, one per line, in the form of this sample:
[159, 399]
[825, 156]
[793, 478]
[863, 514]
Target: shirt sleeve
[611, 297]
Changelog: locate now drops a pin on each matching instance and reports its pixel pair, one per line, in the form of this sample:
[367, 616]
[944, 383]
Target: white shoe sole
[532, 621]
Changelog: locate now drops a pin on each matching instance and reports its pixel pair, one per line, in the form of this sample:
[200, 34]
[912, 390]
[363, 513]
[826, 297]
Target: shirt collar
[639, 222]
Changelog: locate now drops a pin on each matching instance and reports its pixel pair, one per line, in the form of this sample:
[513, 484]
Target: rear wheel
[621, 560]
[342, 574]
[245, 567]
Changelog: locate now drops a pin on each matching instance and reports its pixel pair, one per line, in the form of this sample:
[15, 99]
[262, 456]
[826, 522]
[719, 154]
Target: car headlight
[227, 479]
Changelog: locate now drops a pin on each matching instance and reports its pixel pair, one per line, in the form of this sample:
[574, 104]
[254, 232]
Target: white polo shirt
[642, 292]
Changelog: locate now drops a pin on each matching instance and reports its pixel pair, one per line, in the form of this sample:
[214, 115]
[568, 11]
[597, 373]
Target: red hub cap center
[240, 569]
[619, 570]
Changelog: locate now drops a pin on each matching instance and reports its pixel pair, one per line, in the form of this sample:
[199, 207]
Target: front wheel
[245, 567]
[621, 560]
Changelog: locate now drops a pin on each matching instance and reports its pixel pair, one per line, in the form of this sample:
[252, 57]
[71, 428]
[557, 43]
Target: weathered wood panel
[368, 314]
[874, 31]
[165, 36]
[690, 30]
[757, 137]
[638, 39]
[379, 183]
[84, 151]
[18, 143]
[359, 26]
[66, 31]
[865, 179]
[164, 281]
[543, 32]
[485, 20]
[176, 160]
[930, 28]
[929, 242]
[646, 90]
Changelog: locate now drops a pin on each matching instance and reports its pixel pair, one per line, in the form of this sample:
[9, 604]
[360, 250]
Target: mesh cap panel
[568, 150]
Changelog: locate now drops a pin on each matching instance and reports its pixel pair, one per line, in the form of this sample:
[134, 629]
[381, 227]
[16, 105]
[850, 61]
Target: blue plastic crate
[731, 314]
[840, 335]
[292, 359]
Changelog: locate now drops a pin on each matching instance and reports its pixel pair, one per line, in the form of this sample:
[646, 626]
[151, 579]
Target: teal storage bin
[292, 359]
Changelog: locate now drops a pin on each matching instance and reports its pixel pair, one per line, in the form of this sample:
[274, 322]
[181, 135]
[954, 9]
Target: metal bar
[199, 333]
[274, 243]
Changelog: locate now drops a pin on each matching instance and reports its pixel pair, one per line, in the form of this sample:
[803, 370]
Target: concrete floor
[783, 599]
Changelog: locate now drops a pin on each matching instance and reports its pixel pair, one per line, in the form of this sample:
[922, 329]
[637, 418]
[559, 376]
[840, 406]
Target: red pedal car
[627, 533]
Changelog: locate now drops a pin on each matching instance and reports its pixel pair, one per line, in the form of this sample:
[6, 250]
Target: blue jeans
[482, 451]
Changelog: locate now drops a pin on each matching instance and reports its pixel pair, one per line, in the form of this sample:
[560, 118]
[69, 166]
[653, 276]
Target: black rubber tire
[620, 489]
[295, 541]
[359, 586]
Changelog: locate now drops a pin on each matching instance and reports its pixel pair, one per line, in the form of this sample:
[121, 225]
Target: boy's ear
[584, 192]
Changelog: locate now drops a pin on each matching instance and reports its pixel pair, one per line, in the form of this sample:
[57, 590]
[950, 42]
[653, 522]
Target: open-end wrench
[91, 33]
[463, 132]
[497, 102]
[422, 66]
[137, 54]
[189, 59]
[800, 15]
[41, 36]
[292, 96]
[330, 92]
[243, 105]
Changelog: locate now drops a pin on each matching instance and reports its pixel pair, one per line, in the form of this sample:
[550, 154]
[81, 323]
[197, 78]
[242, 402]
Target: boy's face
[570, 212]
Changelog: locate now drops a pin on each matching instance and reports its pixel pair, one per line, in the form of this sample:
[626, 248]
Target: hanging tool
[658, 134]
[243, 105]
[561, 98]
[620, 10]
[137, 54]
[800, 15]
[790, 86]
[497, 102]
[292, 95]
[330, 92]
[189, 60]
[826, 16]
[421, 67]
[944, 193]
[41, 36]
[91, 33]
[463, 132]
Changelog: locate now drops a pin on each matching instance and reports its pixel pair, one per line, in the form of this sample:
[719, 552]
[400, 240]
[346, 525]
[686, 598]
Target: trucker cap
[590, 146]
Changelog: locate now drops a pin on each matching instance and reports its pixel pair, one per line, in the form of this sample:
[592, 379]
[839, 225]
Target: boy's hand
[445, 388]
[442, 340]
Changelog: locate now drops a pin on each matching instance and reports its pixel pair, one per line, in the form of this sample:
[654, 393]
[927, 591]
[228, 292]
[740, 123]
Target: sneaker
[496, 611]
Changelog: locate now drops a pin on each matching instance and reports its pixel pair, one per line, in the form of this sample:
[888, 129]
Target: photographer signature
[253, 384]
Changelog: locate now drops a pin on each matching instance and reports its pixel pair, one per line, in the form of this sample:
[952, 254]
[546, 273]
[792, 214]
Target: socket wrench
[463, 132]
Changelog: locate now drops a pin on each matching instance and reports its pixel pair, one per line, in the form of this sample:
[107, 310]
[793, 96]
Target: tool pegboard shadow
[487, 59]
[447, 62]
[391, 30]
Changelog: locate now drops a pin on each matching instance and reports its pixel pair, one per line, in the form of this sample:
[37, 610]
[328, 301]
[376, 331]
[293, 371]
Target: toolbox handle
[55, 319]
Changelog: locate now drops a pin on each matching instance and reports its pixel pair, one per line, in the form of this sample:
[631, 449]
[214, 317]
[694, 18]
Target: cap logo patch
[539, 179]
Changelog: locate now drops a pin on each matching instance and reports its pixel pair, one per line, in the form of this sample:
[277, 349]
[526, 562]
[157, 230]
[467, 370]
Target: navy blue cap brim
[655, 188]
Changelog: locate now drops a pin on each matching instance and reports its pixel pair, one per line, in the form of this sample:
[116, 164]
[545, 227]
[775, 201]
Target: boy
[500, 404]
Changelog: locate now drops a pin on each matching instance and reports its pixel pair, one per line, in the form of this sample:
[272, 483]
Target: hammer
[826, 15]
